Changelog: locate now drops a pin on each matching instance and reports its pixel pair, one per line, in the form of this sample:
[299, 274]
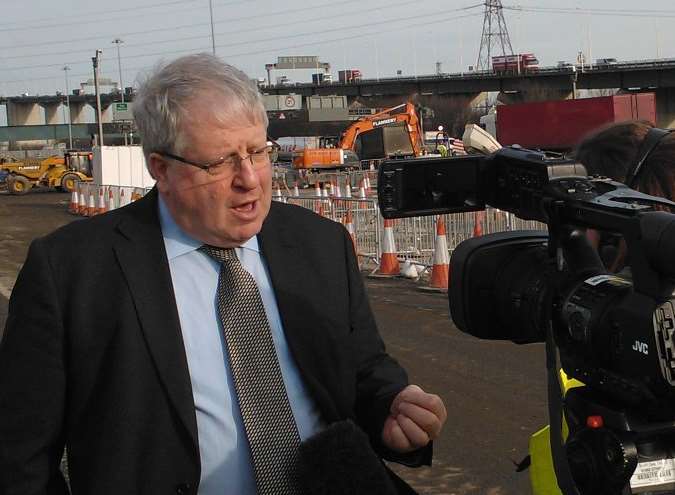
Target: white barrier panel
[121, 166]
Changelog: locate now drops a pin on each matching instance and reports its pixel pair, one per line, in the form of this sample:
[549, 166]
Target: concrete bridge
[449, 96]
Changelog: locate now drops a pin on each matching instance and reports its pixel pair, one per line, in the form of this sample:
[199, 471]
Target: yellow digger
[62, 173]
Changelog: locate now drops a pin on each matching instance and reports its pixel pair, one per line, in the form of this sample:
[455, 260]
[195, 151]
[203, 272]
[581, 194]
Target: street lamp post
[97, 61]
[70, 119]
[213, 37]
[118, 42]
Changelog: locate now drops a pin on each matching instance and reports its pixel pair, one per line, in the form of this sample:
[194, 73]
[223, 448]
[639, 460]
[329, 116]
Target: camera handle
[555, 411]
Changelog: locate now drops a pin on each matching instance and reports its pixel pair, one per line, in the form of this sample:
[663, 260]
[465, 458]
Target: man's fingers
[394, 438]
[424, 418]
[415, 395]
[415, 435]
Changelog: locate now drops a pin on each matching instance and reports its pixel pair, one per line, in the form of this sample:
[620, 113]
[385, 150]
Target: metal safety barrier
[415, 237]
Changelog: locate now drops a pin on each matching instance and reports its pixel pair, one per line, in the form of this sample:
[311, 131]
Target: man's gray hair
[162, 105]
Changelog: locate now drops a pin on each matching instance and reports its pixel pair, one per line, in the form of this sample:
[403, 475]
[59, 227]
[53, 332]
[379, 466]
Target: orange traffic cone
[73, 206]
[111, 200]
[317, 190]
[479, 216]
[123, 198]
[296, 191]
[389, 265]
[82, 201]
[362, 194]
[440, 272]
[348, 191]
[349, 225]
[101, 201]
[91, 208]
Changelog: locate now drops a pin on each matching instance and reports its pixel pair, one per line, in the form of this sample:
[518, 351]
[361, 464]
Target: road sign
[122, 111]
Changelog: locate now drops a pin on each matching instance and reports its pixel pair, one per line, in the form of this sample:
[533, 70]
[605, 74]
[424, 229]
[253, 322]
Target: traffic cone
[277, 192]
[123, 198]
[326, 190]
[111, 200]
[101, 202]
[440, 272]
[135, 196]
[296, 191]
[479, 216]
[317, 190]
[348, 222]
[389, 265]
[73, 206]
[82, 201]
[338, 192]
[362, 195]
[91, 208]
[348, 191]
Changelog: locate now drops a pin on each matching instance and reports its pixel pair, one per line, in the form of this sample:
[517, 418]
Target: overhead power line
[228, 20]
[130, 13]
[231, 32]
[259, 40]
[649, 13]
[431, 20]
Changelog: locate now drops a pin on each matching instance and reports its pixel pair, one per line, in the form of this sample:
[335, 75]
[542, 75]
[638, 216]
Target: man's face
[226, 210]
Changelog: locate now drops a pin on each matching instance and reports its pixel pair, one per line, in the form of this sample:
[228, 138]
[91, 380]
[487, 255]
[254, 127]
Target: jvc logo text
[641, 347]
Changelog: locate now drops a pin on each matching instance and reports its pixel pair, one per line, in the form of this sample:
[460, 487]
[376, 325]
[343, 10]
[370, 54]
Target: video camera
[615, 334]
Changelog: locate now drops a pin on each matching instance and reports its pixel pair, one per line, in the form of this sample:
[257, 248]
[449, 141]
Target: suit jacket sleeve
[32, 383]
[379, 377]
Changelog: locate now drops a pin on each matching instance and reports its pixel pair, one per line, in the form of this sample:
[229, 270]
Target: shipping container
[561, 125]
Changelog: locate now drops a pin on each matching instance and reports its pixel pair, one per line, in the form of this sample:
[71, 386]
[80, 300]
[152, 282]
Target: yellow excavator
[62, 173]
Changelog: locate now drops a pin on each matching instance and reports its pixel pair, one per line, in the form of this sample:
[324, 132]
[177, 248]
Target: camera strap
[555, 412]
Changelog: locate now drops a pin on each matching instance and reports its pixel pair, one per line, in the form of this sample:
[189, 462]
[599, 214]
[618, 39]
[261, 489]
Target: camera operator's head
[636, 149]
[639, 155]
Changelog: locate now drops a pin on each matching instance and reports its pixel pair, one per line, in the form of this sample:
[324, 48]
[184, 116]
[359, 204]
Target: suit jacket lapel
[286, 267]
[142, 257]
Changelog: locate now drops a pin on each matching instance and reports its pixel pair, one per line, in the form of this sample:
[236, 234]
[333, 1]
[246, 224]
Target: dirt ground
[495, 392]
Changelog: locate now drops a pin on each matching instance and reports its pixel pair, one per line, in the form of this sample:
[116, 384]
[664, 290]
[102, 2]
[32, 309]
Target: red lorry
[561, 125]
[520, 63]
[349, 76]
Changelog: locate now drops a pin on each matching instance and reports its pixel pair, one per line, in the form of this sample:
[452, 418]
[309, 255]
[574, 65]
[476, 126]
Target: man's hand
[415, 419]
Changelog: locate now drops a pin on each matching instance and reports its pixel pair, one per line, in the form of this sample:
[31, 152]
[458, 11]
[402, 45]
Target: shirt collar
[177, 242]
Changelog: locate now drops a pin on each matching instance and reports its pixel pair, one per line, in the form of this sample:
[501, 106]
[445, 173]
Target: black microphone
[340, 461]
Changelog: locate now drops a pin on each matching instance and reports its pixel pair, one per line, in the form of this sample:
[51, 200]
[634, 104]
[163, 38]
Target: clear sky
[39, 37]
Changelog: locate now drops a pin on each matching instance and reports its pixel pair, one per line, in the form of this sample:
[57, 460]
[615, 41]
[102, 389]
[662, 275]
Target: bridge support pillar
[106, 113]
[77, 114]
[24, 114]
[52, 113]
[665, 107]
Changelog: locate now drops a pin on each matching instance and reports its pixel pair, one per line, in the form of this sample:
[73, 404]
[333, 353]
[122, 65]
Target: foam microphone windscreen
[340, 461]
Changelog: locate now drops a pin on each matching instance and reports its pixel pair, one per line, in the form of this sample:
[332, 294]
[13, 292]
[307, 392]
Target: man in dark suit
[129, 335]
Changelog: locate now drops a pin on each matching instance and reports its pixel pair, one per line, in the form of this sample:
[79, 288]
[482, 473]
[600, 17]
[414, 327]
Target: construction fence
[414, 237]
